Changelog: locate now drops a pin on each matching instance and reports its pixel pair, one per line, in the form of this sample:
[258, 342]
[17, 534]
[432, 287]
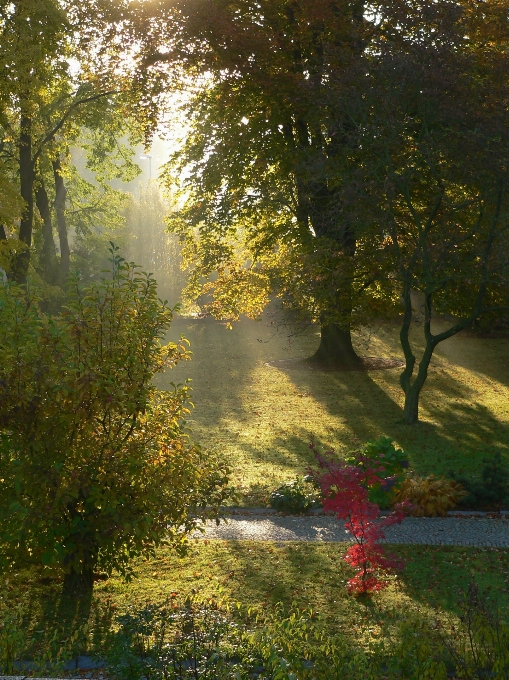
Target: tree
[44, 107]
[262, 166]
[149, 241]
[97, 467]
[432, 173]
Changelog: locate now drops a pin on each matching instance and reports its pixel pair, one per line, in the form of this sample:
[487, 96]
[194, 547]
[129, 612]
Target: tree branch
[51, 134]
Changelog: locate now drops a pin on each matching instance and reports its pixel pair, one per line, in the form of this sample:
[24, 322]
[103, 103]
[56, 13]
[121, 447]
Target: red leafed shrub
[345, 492]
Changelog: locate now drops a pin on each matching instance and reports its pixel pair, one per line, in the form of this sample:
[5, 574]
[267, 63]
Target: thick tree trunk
[78, 584]
[49, 262]
[60, 198]
[336, 347]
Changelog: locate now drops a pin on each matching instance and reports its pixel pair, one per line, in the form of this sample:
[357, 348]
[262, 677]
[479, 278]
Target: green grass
[259, 575]
[262, 417]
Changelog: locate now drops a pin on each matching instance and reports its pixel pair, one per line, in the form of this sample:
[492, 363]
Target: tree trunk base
[336, 348]
[78, 584]
[411, 409]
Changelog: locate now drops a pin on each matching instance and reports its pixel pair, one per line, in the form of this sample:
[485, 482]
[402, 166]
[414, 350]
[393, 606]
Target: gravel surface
[479, 532]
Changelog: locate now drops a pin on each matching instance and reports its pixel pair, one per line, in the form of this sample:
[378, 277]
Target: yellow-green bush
[96, 465]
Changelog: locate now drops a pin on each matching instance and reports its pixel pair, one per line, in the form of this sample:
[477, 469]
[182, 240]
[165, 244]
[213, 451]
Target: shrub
[199, 638]
[491, 492]
[96, 464]
[196, 639]
[387, 463]
[430, 497]
[298, 496]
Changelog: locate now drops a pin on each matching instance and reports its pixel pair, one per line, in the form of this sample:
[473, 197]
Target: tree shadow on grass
[272, 446]
[438, 576]
[482, 355]
[454, 434]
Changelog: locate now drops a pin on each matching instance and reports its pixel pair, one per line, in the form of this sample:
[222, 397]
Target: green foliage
[195, 639]
[200, 639]
[23, 649]
[96, 465]
[491, 492]
[388, 463]
[299, 496]
[12, 638]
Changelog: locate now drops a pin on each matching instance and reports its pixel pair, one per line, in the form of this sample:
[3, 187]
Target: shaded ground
[367, 364]
[263, 417]
[260, 574]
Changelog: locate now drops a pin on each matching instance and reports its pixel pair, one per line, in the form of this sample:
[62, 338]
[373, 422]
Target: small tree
[346, 489]
[96, 466]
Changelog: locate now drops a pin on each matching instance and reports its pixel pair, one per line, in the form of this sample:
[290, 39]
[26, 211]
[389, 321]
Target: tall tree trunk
[26, 176]
[60, 198]
[49, 262]
[313, 199]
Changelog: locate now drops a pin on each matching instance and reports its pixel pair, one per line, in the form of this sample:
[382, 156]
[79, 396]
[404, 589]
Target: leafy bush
[298, 496]
[387, 463]
[194, 640]
[47, 650]
[430, 497]
[200, 639]
[96, 464]
[491, 492]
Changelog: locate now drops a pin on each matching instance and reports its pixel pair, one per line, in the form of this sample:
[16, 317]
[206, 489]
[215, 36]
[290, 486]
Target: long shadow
[488, 356]
[455, 433]
[221, 365]
[439, 577]
[224, 391]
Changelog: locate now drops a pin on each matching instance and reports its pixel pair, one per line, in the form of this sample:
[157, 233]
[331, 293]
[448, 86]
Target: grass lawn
[262, 417]
[259, 575]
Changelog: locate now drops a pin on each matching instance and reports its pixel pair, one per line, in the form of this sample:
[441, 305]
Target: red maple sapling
[345, 490]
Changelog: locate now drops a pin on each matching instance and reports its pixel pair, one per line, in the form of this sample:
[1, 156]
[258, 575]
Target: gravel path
[478, 531]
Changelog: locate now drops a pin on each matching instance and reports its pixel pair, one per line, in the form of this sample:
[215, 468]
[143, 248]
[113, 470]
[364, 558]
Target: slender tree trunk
[26, 176]
[412, 389]
[3, 237]
[49, 262]
[60, 198]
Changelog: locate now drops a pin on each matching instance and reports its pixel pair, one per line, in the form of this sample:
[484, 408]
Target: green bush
[298, 496]
[200, 639]
[491, 492]
[96, 466]
[388, 463]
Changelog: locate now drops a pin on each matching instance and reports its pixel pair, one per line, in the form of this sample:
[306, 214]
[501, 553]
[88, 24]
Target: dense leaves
[96, 465]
